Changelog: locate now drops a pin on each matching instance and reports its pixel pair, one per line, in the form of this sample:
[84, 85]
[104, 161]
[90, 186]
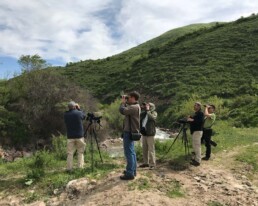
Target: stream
[116, 149]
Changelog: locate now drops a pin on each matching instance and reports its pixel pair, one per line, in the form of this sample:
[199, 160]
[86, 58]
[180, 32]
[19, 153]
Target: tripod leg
[186, 144]
[91, 150]
[95, 136]
[172, 143]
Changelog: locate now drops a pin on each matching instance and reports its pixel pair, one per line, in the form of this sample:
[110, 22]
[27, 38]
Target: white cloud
[144, 19]
[73, 30]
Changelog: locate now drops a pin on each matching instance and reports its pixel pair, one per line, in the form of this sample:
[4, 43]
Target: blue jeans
[130, 155]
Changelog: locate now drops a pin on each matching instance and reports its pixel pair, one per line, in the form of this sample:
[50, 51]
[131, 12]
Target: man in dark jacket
[148, 130]
[131, 109]
[75, 134]
[196, 125]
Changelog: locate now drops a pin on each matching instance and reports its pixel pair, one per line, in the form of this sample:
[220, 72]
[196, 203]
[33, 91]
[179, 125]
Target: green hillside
[220, 60]
[92, 74]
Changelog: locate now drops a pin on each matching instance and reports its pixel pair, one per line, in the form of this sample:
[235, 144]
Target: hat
[213, 106]
[198, 103]
[71, 104]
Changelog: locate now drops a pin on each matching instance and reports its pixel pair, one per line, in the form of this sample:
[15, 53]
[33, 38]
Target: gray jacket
[150, 128]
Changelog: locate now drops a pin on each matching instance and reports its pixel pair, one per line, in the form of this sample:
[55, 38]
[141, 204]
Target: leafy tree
[40, 98]
[34, 62]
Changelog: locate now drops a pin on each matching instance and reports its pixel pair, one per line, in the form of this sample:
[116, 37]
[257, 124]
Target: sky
[73, 30]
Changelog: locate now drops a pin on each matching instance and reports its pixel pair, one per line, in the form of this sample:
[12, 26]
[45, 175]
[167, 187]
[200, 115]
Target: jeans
[130, 154]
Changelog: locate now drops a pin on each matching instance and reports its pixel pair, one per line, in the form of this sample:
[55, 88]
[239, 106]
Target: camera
[182, 121]
[91, 117]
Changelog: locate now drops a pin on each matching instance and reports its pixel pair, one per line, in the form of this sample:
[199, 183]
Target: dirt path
[215, 182]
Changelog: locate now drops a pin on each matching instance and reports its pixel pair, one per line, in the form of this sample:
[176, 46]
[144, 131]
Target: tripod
[184, 141]
[91, 130]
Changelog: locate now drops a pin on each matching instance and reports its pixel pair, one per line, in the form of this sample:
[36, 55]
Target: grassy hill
[216, 59]
[92, 74]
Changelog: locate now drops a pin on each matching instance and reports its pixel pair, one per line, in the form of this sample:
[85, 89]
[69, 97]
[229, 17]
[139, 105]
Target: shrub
[39, 99]
[114, 118]
[59, 146]
[40, 161]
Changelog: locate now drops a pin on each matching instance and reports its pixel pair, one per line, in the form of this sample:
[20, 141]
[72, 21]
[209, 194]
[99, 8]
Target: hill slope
[221, 60]
[92, 74]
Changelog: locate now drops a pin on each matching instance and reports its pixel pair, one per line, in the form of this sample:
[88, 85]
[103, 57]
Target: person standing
[131, 109]
[148, 130]
[75, 134]
[209, 120]
[196, 125]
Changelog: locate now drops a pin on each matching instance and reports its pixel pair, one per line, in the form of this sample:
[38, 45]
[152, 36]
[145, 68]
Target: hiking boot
[124, 172]
[126, 177]
[195, 163]
[144, 165]
[205, 158]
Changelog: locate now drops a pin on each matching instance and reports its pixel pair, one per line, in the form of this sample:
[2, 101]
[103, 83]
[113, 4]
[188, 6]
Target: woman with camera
[209, 120]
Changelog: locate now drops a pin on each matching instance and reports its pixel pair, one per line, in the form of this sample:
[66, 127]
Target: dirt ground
[216, 182]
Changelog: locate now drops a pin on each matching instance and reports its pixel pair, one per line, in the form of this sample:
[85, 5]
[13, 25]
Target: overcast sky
[73, 30]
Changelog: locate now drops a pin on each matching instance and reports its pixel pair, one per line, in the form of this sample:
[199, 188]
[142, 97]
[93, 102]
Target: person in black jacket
[75, 134]
[148, 130]
[196, 126]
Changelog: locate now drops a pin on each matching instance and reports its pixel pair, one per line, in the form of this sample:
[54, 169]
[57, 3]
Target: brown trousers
[148, 147]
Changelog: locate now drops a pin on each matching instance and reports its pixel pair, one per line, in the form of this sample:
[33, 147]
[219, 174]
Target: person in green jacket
[209, 120]
[148, 129]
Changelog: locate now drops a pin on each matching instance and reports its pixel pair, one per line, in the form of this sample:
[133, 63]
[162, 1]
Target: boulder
[78, 186]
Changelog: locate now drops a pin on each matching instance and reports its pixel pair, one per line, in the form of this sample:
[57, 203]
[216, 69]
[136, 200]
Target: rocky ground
[216, 182]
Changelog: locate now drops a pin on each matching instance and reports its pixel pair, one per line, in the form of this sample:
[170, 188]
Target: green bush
[41, 160]
[59, 145]
[113, 116]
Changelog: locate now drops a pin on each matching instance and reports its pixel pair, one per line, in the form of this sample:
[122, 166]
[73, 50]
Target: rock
[93, 182]
[203, 182]
[219, 182]
[17, 154]
[198, 179]
[56, 191]
[104, 145]
[27, 154]
[76, 187]
[248, 184]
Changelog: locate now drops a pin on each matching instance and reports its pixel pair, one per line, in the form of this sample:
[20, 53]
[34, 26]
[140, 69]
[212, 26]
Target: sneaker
[126, 177]
[195, 163]
[144, 165]
[205, 158]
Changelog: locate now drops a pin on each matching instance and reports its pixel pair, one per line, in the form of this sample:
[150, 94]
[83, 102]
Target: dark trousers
[206, 138]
